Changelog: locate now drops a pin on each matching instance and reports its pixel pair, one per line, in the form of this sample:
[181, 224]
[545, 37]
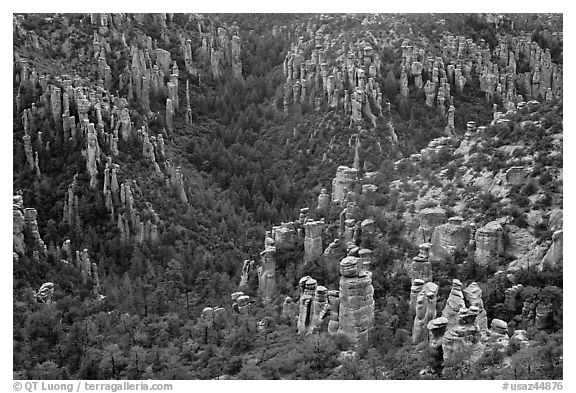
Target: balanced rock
[498, 337]
[436, 329]
[415, 289]
[421, 267]
[454, 303]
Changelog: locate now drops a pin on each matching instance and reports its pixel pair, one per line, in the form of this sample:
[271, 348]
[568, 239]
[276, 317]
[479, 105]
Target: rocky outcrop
[489, 244]
[554, 256]
[356, 301]
[498, 337]
[92, 155]
[555, 220]
[473, 298]
[425, 311]
[305, 311]
[333, 254]
[267, 274]
[285, 236]
[516, 175]
[450, 130]
[241, 303]
[248, 267]
[323, 201]
[344, 181]
[449, 239]
[313, 240]
[430, 218]
[436, 329]
[463, 340]
[18, 225]
[454, 303]
[32, 225]
[169, 116]
[334, 303]
[290, 310]
[213, 317]
[45, 293]
[415, 289]
[518, 241]
[421, 267]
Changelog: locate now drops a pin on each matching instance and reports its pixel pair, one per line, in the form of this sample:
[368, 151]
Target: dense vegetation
[248, 167]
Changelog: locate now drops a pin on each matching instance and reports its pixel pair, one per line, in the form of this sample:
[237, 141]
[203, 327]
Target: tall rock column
[425, 311]
[323, 201]
[454, 303]
[92, 155]
[313, 240]
[18, 226]
[169, 116]
[247, 268]
[334, 302]
[430, 90]
[356, 315]
[421, 267]
[267, 274]
[305, 311]
[30, 215]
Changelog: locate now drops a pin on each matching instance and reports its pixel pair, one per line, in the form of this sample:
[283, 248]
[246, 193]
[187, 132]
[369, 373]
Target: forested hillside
[287, 196]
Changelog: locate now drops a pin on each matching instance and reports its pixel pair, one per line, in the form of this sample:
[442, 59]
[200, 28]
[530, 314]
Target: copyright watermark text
[85, 386]
[532, 386]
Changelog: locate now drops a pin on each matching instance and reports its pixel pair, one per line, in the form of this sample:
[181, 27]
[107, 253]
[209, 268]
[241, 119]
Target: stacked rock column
[356, 314]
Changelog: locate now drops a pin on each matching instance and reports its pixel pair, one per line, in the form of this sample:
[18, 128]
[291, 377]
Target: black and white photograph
[287, 196]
